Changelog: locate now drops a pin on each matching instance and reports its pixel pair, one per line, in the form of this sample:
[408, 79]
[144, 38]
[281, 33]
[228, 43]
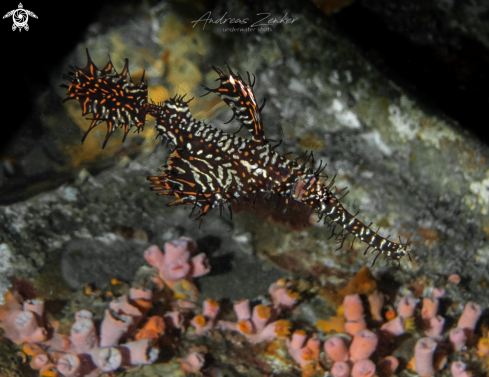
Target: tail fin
[330, 206]
[111, 97]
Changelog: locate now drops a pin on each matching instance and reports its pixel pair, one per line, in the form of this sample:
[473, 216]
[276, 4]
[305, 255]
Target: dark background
[28, 57]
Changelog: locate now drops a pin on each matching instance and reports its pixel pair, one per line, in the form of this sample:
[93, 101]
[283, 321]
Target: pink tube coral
[83, 335]
[39, 357]
[35, 306]
[242, 310]
[107, 358]
[354, 314]
[106, 354]
[376, 303]
[22, 323]
[363, 368]
[297, 341]
[21, 327]
[352, 327]
[340, 369]
[388, 365]
[306, 354]
[122, 306]
[210, 308]
[141, 352]
[353, 308]
[260, 316]
[295, 347]
[82, 353]
[194, 361]
[423, 356]
[273, 330]
[439, 292]
[199, 265]
[11, 305]
[113, 327]
[155, 257]
[175, 319]
[255, 332]
[68, 365]
[336, 349]
[458, 338]
[207, 320]
[458, 369]
[175, 263]
[83, 314]
[430, 308]
[282, 296]
[363, 345]
[406, 307]
[470, 316]
[141, 299]
[395, 327]
[436, 327]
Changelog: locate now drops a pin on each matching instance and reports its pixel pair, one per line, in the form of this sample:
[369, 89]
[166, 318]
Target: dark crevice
[451, 73]
[29, 56]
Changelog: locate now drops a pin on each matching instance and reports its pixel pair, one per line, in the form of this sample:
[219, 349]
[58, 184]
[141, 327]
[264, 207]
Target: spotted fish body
[209, 167]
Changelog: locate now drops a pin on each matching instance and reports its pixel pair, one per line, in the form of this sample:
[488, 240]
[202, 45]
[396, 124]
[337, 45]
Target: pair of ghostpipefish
[209, 167]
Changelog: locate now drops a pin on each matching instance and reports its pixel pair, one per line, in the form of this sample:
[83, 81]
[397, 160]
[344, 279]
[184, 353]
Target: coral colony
[359, 342]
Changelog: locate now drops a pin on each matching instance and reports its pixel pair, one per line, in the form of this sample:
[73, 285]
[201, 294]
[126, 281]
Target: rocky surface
[408, 169]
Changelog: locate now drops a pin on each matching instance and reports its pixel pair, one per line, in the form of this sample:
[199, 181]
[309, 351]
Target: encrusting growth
[210, 168]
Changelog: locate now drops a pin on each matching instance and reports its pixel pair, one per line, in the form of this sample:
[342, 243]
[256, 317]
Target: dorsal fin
[239, 96]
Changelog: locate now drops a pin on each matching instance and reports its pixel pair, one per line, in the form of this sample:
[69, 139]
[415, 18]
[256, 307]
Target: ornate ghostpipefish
[209, 167]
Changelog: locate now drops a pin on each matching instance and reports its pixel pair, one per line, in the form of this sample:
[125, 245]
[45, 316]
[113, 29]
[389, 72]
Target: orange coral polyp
[282, 328]
[390, 314]
[143, 304]
[293, 295]
[263, 311]
[307, 354]
[244, 326]
[49, 372]
[483, 347]
[200, 320]
[32, 349]
[155, 323]
[152, 329]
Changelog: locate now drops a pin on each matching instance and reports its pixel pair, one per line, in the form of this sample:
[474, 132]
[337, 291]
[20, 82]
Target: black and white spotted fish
[209, 167]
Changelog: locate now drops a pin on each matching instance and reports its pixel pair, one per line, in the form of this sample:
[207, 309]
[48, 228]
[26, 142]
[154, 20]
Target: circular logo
[20, 18]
